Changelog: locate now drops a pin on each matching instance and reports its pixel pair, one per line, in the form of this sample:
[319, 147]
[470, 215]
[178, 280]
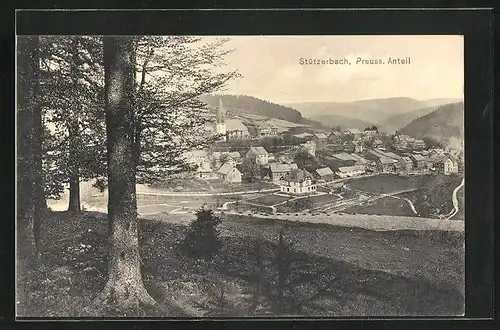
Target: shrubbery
[202, 239]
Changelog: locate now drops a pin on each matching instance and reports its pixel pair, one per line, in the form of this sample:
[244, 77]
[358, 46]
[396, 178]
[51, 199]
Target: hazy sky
[271, 67]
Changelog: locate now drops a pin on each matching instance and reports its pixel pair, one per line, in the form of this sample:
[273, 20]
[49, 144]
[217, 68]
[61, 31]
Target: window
[288, 189]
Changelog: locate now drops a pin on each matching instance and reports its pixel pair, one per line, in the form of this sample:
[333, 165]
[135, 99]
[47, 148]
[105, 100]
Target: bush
[202, 239]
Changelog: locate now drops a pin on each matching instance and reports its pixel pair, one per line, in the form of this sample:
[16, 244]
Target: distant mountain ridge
[372, 111]
[445, 124]
[389, 114]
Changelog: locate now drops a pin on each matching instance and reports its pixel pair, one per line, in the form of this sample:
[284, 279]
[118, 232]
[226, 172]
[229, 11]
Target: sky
[271, 69]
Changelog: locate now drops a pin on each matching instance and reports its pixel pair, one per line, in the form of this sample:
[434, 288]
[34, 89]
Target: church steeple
[221, 112]
[220, 125]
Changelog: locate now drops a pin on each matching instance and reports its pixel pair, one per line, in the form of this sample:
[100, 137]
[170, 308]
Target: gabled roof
[235, 154]
[205, 168]
[235, 125]
[225, 169]
[407, 159]
[302, 135]
[359, 158]
[321, 136]
[418, 157]
[392, 155]
[324, 171]
[345, 169]
[278, 167]
[258, 151]
[298, 175]
[344, 156]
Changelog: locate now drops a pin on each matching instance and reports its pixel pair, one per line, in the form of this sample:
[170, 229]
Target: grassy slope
[336, 271]
[432, 198]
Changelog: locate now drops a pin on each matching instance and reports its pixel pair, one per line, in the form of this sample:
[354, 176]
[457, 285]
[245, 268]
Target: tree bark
[74, 194]
[27, 93]
[124, 287]
[73, 132]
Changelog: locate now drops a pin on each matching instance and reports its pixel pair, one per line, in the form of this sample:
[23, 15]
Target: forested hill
[248, 104]
[443, 124]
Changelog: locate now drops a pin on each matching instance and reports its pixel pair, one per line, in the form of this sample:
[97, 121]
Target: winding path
[455, 200]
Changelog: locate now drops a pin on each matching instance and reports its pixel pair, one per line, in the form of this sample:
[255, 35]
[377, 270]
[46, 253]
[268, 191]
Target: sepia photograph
[253, 176]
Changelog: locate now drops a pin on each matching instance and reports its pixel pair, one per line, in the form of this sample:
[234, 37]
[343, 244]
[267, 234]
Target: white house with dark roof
[350, 171]
[298, 182]
[266, 129]
[259, 155]
[446, 164]
[229, 173]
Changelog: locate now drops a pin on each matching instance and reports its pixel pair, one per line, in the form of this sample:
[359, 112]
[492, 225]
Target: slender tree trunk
[27, 90]
[124, 286]
[40, 203]
[73, 132]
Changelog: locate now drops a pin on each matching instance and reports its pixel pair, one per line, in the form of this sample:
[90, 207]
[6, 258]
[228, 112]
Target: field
[380, 206]
[270, 199]
[387, 183]
[335, 271]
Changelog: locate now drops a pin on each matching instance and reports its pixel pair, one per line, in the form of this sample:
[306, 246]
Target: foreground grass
[326, 279]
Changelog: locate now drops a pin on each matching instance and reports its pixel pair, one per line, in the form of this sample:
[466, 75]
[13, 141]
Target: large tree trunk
[27, 90]
[74, 194]
[124, 286]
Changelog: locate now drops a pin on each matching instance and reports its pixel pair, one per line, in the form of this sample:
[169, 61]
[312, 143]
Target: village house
[310, 147]
[352, 131]
[334, 137]
[279, 171]
[259, 155]
[350, 171]
[377, 143]
[326, 174]
[321, 140]
[342, 159]
[419, 162]
[266, 129]
[229, 173]
[446, 165]
[370, 132]
[205, 172]
[358, 148]
[419, 144]
[408, 163]
[303, 137]
[298, 182]
[359, 159]
[400, 164]
[383, 163]
[198, 157]
[222, 158]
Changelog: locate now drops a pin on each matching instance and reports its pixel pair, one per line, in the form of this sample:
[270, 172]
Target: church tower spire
[220, 125]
